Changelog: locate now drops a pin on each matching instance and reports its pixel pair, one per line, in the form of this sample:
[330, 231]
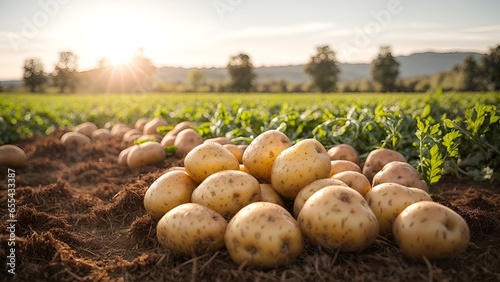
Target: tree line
[322, 68]
[135, 76]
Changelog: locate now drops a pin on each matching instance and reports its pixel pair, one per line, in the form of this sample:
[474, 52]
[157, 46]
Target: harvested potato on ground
[344, 152]
[131, 132]
[150, 137]
[150, 126]
[355, 180]
[168, 140]
[263, 235]
[402, 173]
[243, 168]
[243, 147]
[337, 217]
[181, 168]
[338, 166]
[259, 156]
[139, 124]
[226, 192]
[119, 129]
[74, 139]
[237, 152]
[167, 192]
[86, 128]
[221, 140]
[101, 134]
[432, 230]
[122, 157]
[310, 189]
[147, 153]
[12, 156]
[191, 229]
[186, 141]
[180, 127]
[268, 194]
[209, 158]
[387, 200]
[377, 159]
[298, 166]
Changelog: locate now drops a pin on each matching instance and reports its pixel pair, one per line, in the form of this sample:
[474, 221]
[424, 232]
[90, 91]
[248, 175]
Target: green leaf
[451, 141]
[170, 150]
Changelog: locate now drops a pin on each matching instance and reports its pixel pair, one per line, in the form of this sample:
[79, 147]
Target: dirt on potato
[80, 217]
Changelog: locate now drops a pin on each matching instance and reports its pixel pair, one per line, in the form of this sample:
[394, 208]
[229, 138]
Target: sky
[206, 33]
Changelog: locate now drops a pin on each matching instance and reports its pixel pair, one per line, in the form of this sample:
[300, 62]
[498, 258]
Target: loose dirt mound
[80, 218]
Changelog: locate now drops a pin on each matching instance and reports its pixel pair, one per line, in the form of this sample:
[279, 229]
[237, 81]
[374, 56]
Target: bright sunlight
[117, 37]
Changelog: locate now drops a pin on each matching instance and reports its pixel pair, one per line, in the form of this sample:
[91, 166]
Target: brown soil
[80, 218]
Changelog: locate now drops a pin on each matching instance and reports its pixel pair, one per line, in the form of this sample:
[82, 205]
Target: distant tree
[323, 69]
[490, 66]
[283, 84]
[471, 76]
[385, 70]
[240, 70]
[34, 77]
[65, 75]
[196, 78]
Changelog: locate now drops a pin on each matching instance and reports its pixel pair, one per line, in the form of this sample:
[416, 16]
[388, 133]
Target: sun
[119, 57]
[118, 38]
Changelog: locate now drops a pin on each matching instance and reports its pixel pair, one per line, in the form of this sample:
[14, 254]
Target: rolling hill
[418, 64]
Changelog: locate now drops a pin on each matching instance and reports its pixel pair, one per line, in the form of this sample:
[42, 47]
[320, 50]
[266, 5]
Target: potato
[337, 217]
[268, 194]
[122, 157]
[310, 189]
[167, 192]
[259, 156]
[101, 134]
[180, 127]
[387, 200]
[74, 139]
[12, 156]
[139, 124]
[344, 152]
[402, 173]
[150, 126]
[355, 180]
[209, 158]
[86, 128]
[243, 168]
[298, 166]
[168, 140]
[221, 140]
[338, 166]
[181, 168]
[377, 159]
[150, 137]
[119, 129]
[145, 154]
[237, 152]
[130, 133]
[432, 230]
[263, 235]
[227, 191]
[191, 229]
[243, 147]
[186, 140]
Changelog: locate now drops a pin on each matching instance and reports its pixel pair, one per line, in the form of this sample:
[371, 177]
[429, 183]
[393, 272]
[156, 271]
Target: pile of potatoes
[264, 201]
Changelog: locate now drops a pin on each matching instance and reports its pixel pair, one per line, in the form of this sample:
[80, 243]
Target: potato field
[250, 187]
